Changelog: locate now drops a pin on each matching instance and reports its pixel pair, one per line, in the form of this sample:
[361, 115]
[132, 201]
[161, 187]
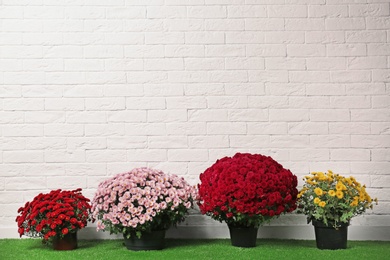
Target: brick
[207, 115]
[359, 63]
[309, 76]
[105, 104]
[95, 25]
[375, 49]
[370, 115]
[217, 25]
[63, 130]
[349, 128]
[183, 51]
[112, 129]
[98, 156]
[218, 141]
[147, 155]
[86, 117]
[245, 11]
[247, 115]
[350, 76]
[20, 183]
[370, 169]
[331, 141]
[204, 38]
[203, 12]
[186, 102]
[44, 117]
[22, 156]
[166, 12]
[55, 78]
[288, 115]
[83, 91]
[325, 37]
[69, 182]
[309, 155]
[41, 143]
[325, 89]
[85, 143]
[350, 102]
[267, 128]
[146, 77]
[32, 91]
[204, 63]
[378, 22]
[126, 12]
[187, 155]
[125, 142]
[326, 63]
[279, 141]
[329, 115]
[286, 11]
[249, 89]
[365, 89]
[226, 102]
[268, 102]
[327, 11]
[188, 128]
[127, 116]
[266, 50]
[253, 141]
[268, 76]
[164, 38]
[380, 155]
[244, 37]
[24, 78]
[123, 90]
[145, 129]
[350, 155]
[381, 75]
[345, 24]
[64, 104]
[302, 24]
[161, 90]
[11, 117]
[307, 50]
[365, 36]
[171, 115]
[164, 64]
[370, 141]
[228, 76]
[284, 37]
[167, 142]
[83, 65]
[58, 156]
[308, 102]
[285, 63]
[266, 24]
[346, 50]
[284, 89]
[380, 101]
[26, 130]
[226, 128]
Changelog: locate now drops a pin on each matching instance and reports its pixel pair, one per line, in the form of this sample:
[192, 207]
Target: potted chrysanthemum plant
[330, 201]
[142, 204]
[56, 217]
[246, 191]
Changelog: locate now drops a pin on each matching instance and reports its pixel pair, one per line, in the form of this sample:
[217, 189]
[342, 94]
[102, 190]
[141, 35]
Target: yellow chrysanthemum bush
[332, 198]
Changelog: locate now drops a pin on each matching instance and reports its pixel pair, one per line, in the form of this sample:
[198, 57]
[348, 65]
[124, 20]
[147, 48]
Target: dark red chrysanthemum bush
[54, 214]
[247, 190]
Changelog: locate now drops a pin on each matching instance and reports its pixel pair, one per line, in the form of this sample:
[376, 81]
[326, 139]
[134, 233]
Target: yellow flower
[318, 191]
[317, 200]
[340, 186]
[339, 194]
[322, 204]
[332, 193]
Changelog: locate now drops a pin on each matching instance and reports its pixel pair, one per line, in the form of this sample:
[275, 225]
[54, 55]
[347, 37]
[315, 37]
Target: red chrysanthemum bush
[247, 190]
[54, 214]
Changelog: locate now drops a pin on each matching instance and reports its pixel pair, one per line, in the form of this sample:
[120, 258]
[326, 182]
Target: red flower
[246, 188]
[65, 231]
[49, 215]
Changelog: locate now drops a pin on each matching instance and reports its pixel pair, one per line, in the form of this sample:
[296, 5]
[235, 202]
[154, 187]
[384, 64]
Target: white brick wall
[93, 88]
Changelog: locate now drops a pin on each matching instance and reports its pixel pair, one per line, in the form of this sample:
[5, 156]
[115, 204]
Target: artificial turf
[30, 249]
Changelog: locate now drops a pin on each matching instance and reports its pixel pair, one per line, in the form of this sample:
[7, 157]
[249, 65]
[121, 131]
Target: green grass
[30, 249]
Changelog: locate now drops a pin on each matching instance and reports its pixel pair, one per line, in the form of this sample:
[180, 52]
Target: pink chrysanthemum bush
[142, 200]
